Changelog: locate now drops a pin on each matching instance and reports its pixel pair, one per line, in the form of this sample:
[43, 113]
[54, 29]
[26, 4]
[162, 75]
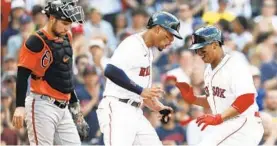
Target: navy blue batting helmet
[204, 36]
[167, 21]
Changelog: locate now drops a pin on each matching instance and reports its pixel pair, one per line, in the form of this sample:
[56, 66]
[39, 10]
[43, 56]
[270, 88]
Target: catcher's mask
[66, 10]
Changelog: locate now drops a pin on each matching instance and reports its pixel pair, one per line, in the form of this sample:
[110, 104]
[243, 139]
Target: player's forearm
[120, 78]
[241, 104]
[153, 104]
[229, 113]
[202, 101]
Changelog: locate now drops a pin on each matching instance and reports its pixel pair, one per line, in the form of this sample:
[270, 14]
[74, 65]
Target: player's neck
[147, 39]
[48, 30]
[218, 59]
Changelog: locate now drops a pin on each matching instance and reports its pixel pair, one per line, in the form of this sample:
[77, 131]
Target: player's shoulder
[34, 43]
[236, 61]
[131, 39]
[130, 43]
[237, 65]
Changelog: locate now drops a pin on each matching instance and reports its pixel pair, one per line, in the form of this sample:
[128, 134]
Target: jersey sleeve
[242, 80]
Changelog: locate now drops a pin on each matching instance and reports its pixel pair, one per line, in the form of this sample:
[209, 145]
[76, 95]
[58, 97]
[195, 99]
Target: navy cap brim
[175, 33]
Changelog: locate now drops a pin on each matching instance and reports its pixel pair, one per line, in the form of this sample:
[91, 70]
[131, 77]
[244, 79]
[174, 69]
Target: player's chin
[205, 59]
[161, 48]
[63, 34]
[164, 47]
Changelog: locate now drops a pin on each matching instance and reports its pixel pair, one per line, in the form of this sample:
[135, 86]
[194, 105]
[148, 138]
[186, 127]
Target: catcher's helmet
[167, 21]
[204, 36]
[65, 10]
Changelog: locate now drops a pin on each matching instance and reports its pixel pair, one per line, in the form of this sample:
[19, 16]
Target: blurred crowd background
[250, 32]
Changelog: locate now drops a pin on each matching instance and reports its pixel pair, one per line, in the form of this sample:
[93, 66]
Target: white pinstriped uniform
[121, 123]
[223, 84]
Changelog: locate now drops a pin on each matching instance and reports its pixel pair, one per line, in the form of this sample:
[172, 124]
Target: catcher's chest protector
[59, 74]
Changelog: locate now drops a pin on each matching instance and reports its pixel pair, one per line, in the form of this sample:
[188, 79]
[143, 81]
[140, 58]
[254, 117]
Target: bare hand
[18, 117]
[154, 92]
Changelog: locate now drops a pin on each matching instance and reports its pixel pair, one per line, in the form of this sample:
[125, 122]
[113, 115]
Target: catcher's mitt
[78, 118]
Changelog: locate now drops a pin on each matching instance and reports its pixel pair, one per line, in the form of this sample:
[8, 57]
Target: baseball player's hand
[208, 119]
[166, 114]
[18, 117]
[78, 118]
[154, 92]
[186, 92]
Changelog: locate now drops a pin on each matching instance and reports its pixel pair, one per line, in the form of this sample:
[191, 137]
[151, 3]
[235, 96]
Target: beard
[54, 28]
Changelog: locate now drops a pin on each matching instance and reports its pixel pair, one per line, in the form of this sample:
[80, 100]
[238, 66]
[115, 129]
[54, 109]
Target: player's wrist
[139, 89]
[219, 118]
[192, 99]
[161, 107]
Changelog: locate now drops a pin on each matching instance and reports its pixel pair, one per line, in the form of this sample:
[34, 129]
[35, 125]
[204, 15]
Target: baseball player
[230, 94]
[46, 56]
[129, 86]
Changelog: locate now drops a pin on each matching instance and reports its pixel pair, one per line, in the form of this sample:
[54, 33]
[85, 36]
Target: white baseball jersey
[223, 84]
[135, 59]
[121, 123]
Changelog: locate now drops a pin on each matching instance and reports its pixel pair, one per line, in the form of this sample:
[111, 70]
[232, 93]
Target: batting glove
[209, 120]
[165, 115]
[186, 92]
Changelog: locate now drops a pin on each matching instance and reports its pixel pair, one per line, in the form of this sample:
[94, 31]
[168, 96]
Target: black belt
[134, 103]
[61, 105]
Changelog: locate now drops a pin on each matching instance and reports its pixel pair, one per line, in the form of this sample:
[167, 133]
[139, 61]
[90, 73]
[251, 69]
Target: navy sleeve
[120, 78]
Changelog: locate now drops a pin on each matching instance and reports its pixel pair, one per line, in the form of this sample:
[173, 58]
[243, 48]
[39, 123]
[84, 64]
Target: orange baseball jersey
[38, 63]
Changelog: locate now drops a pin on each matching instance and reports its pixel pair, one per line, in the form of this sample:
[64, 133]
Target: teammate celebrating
[230, 94]
[129, 85]
[47, 57]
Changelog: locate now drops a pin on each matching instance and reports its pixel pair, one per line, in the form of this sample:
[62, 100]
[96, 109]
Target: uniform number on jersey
[144, 71]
